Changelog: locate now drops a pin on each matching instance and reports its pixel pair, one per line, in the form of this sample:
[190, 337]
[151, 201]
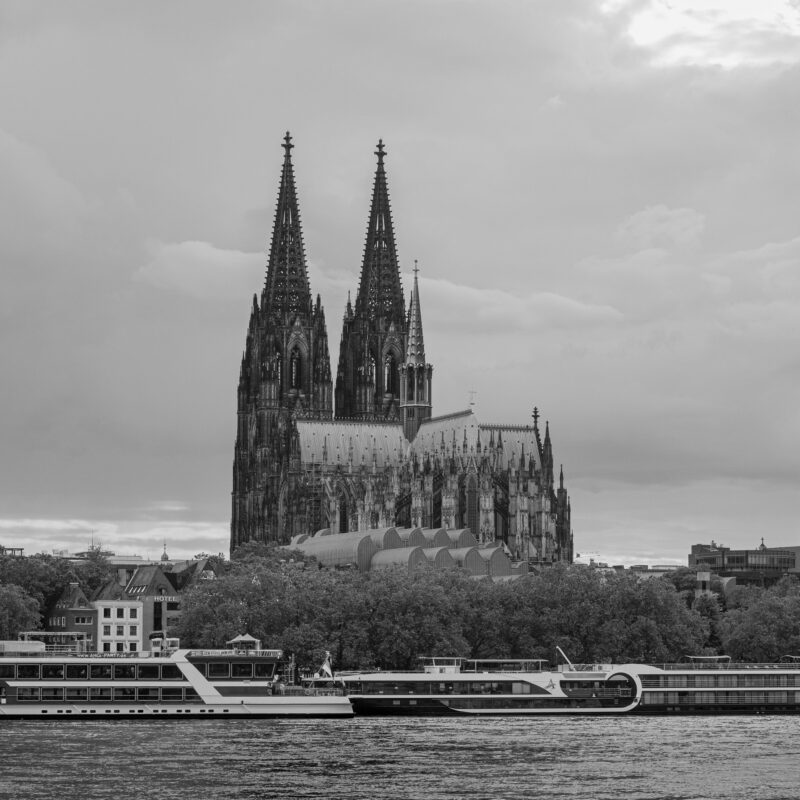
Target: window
[133, 647]
[77, 672]
[28, 672]
[120, 647]
[218, 670]
[148, 672]
[134, 630]
[102, 671]
[134, 613]
[120, 630]
[124, 672]
[53, 671]
[98, 695]
[83, 620]
[106, 647]
[120, 613]
[106, 613]
[106, 630]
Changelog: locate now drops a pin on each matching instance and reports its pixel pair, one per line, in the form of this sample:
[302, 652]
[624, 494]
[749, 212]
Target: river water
[386, 759]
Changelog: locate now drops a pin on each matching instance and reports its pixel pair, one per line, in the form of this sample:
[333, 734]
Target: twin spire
[286, 289]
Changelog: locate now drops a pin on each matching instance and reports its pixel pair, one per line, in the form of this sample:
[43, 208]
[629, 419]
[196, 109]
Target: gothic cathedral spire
[286, 289]
[285, 374]
[415, 374]
[373, 334]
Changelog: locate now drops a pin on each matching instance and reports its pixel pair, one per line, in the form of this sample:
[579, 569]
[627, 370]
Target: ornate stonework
[382, 460]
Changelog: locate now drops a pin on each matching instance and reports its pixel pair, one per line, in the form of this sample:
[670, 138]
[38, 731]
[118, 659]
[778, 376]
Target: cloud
[201, 270]
[659, 226]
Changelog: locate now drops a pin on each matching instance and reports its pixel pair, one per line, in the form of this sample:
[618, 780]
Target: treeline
[387, 619]
[31, 585]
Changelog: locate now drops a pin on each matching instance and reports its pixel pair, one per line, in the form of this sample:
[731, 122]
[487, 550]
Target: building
[762, 565]
[370, 453]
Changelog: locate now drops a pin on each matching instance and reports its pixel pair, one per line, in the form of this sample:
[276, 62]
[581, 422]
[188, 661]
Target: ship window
[242, 670]
[148, 672]
[125, 672]
[100, 695]
[51, 694]
[6, 670]
[127, 695]
[149, 695]
[100, 672]
[172, 694]
[201, 668]
[53, 671]
[264, 670]
[192, 696]
[170, 672]
[218, 670]
[77, 695]
[28, 671]
[27, 695]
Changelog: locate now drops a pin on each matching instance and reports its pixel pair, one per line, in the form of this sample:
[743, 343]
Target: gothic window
[371, 376]
[390, 375]
[278, 370]
[411, 386]
[472, 505]
[295, 374]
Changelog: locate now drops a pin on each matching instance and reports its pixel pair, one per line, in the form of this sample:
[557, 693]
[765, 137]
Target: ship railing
[728, 665]
[236, 653]
[314, 691]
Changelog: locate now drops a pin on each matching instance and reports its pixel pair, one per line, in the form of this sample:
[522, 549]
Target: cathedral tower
[285, 373]
[415, 374]
[373, 334]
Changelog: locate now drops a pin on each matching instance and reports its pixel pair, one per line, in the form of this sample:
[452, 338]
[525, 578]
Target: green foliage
[18, 611]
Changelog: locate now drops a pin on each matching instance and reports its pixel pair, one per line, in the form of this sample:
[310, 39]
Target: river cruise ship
[185, 683]
[459, 686]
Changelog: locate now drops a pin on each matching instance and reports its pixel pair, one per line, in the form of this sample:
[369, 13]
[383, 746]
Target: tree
[18, 611]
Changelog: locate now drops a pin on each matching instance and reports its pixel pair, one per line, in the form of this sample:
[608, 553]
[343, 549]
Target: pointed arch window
[295, 370]
[390, 375]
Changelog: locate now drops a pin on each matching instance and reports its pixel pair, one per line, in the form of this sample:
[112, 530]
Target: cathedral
[367, 452]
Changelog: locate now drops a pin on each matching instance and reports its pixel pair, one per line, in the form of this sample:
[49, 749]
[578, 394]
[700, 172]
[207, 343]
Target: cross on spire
[381, 151]
[535, 416]
[416, 268]
[287, 143]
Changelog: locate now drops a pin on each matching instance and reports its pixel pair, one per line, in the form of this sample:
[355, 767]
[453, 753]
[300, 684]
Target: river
[388, 759]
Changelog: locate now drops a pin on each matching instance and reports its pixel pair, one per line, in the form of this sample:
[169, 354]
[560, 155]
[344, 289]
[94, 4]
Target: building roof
[359, 443]
[455, 431]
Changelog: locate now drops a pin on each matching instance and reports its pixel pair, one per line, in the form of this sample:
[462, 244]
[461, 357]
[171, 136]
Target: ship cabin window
[77, 695]
[242, 670]
[264, 670]
[53, 672]
[217, 670]
[7, 671]
[192, 696]
[28, 672]
[100, 694]
[173, 694]
[126, 695]
[201, 668]
[148, 672]
[27, 695]
[100, 672]
[124, 672]
[52, 694]
[77, 672]
[170, 672]
[149, 695]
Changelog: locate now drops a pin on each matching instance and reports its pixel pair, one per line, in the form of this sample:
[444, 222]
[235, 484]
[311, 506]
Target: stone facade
[380, 459]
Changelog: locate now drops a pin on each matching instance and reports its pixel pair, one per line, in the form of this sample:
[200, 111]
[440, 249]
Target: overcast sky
[603, 199]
